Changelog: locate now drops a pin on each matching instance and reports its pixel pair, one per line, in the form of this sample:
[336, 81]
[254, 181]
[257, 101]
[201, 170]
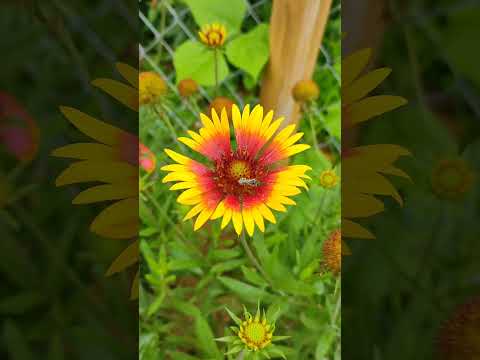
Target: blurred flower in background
[365, 167]
[329, 179]
[19, 133]
[332, 252]
[113, 161]
[187, 87]
[151, 87]
[452, 178]
[459, 336]
[305, 90]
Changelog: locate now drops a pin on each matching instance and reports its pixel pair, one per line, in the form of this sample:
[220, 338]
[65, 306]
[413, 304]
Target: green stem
[163, 116]
[252, 257]
[308, 114]
[215, 55]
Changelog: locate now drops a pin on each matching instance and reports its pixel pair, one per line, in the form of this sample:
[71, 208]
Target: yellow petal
[118, 221]
[248, 221]
[107, 192]
[360, 205]
[191, 200]
[183, 185]
[276, 205]
[353, 64]
[187, 194]
[258, 218]
[129, 73]
[174, 167]
[202, 218]
[127, 257]
[295, 149]
[177, 157]
[219, 211]
[179, 176]
[96, 129]
[237, 221]
[362, 86]
[284, 134]
[373, 106]
[126, 94]
[351, 229]
[189, 142]
[93, 171]
[194, 211]
[267, 213]
[292, 140]
[226, 218]
[86, 151]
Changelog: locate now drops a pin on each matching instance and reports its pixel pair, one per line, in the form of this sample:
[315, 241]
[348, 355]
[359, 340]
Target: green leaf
[234, 317]
[18, 304]
[206, 340]
[15, 342]
[250, 51]
[209, 11]
[194, 60]
[245, 291]
[227, 266]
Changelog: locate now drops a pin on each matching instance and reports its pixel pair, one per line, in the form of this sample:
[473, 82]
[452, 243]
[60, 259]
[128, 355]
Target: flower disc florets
[256, 333]
[213, 35]
[451, 178]
[328, 179]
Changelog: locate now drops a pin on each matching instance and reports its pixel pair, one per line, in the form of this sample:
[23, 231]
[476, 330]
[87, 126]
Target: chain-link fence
[174, 24]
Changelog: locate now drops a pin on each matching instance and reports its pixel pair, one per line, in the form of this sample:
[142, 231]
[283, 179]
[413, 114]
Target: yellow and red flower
[213, 35]
[241, 185]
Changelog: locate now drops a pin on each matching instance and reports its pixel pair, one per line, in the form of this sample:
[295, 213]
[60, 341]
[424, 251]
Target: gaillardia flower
[328, 179]
[253, 334]
[452, 178]
[213, 35]
[460, 334]
[242, 184]
[305, 90]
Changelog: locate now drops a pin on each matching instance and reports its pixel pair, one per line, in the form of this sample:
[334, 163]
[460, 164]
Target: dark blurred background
[55, 300]
[412, 293]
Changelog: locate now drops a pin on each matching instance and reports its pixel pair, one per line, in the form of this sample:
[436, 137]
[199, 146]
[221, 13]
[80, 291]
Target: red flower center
[237, 174]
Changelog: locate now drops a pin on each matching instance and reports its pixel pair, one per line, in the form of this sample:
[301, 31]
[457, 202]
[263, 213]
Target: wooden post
[296, 32]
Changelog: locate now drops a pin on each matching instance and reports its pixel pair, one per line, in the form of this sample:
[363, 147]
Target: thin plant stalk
[308, 114]
[215, 56]
[252, 257]
[162, 115]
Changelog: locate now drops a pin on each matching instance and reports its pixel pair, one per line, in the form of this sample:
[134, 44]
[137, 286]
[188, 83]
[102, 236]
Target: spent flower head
[151, 87]
[213, 35]
[305, 90]
[459, 336]
[187, 87]
[253, 335]
[332, 252]
[220, 103]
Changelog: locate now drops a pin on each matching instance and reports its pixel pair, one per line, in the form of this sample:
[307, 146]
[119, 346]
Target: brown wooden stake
[296, 32]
